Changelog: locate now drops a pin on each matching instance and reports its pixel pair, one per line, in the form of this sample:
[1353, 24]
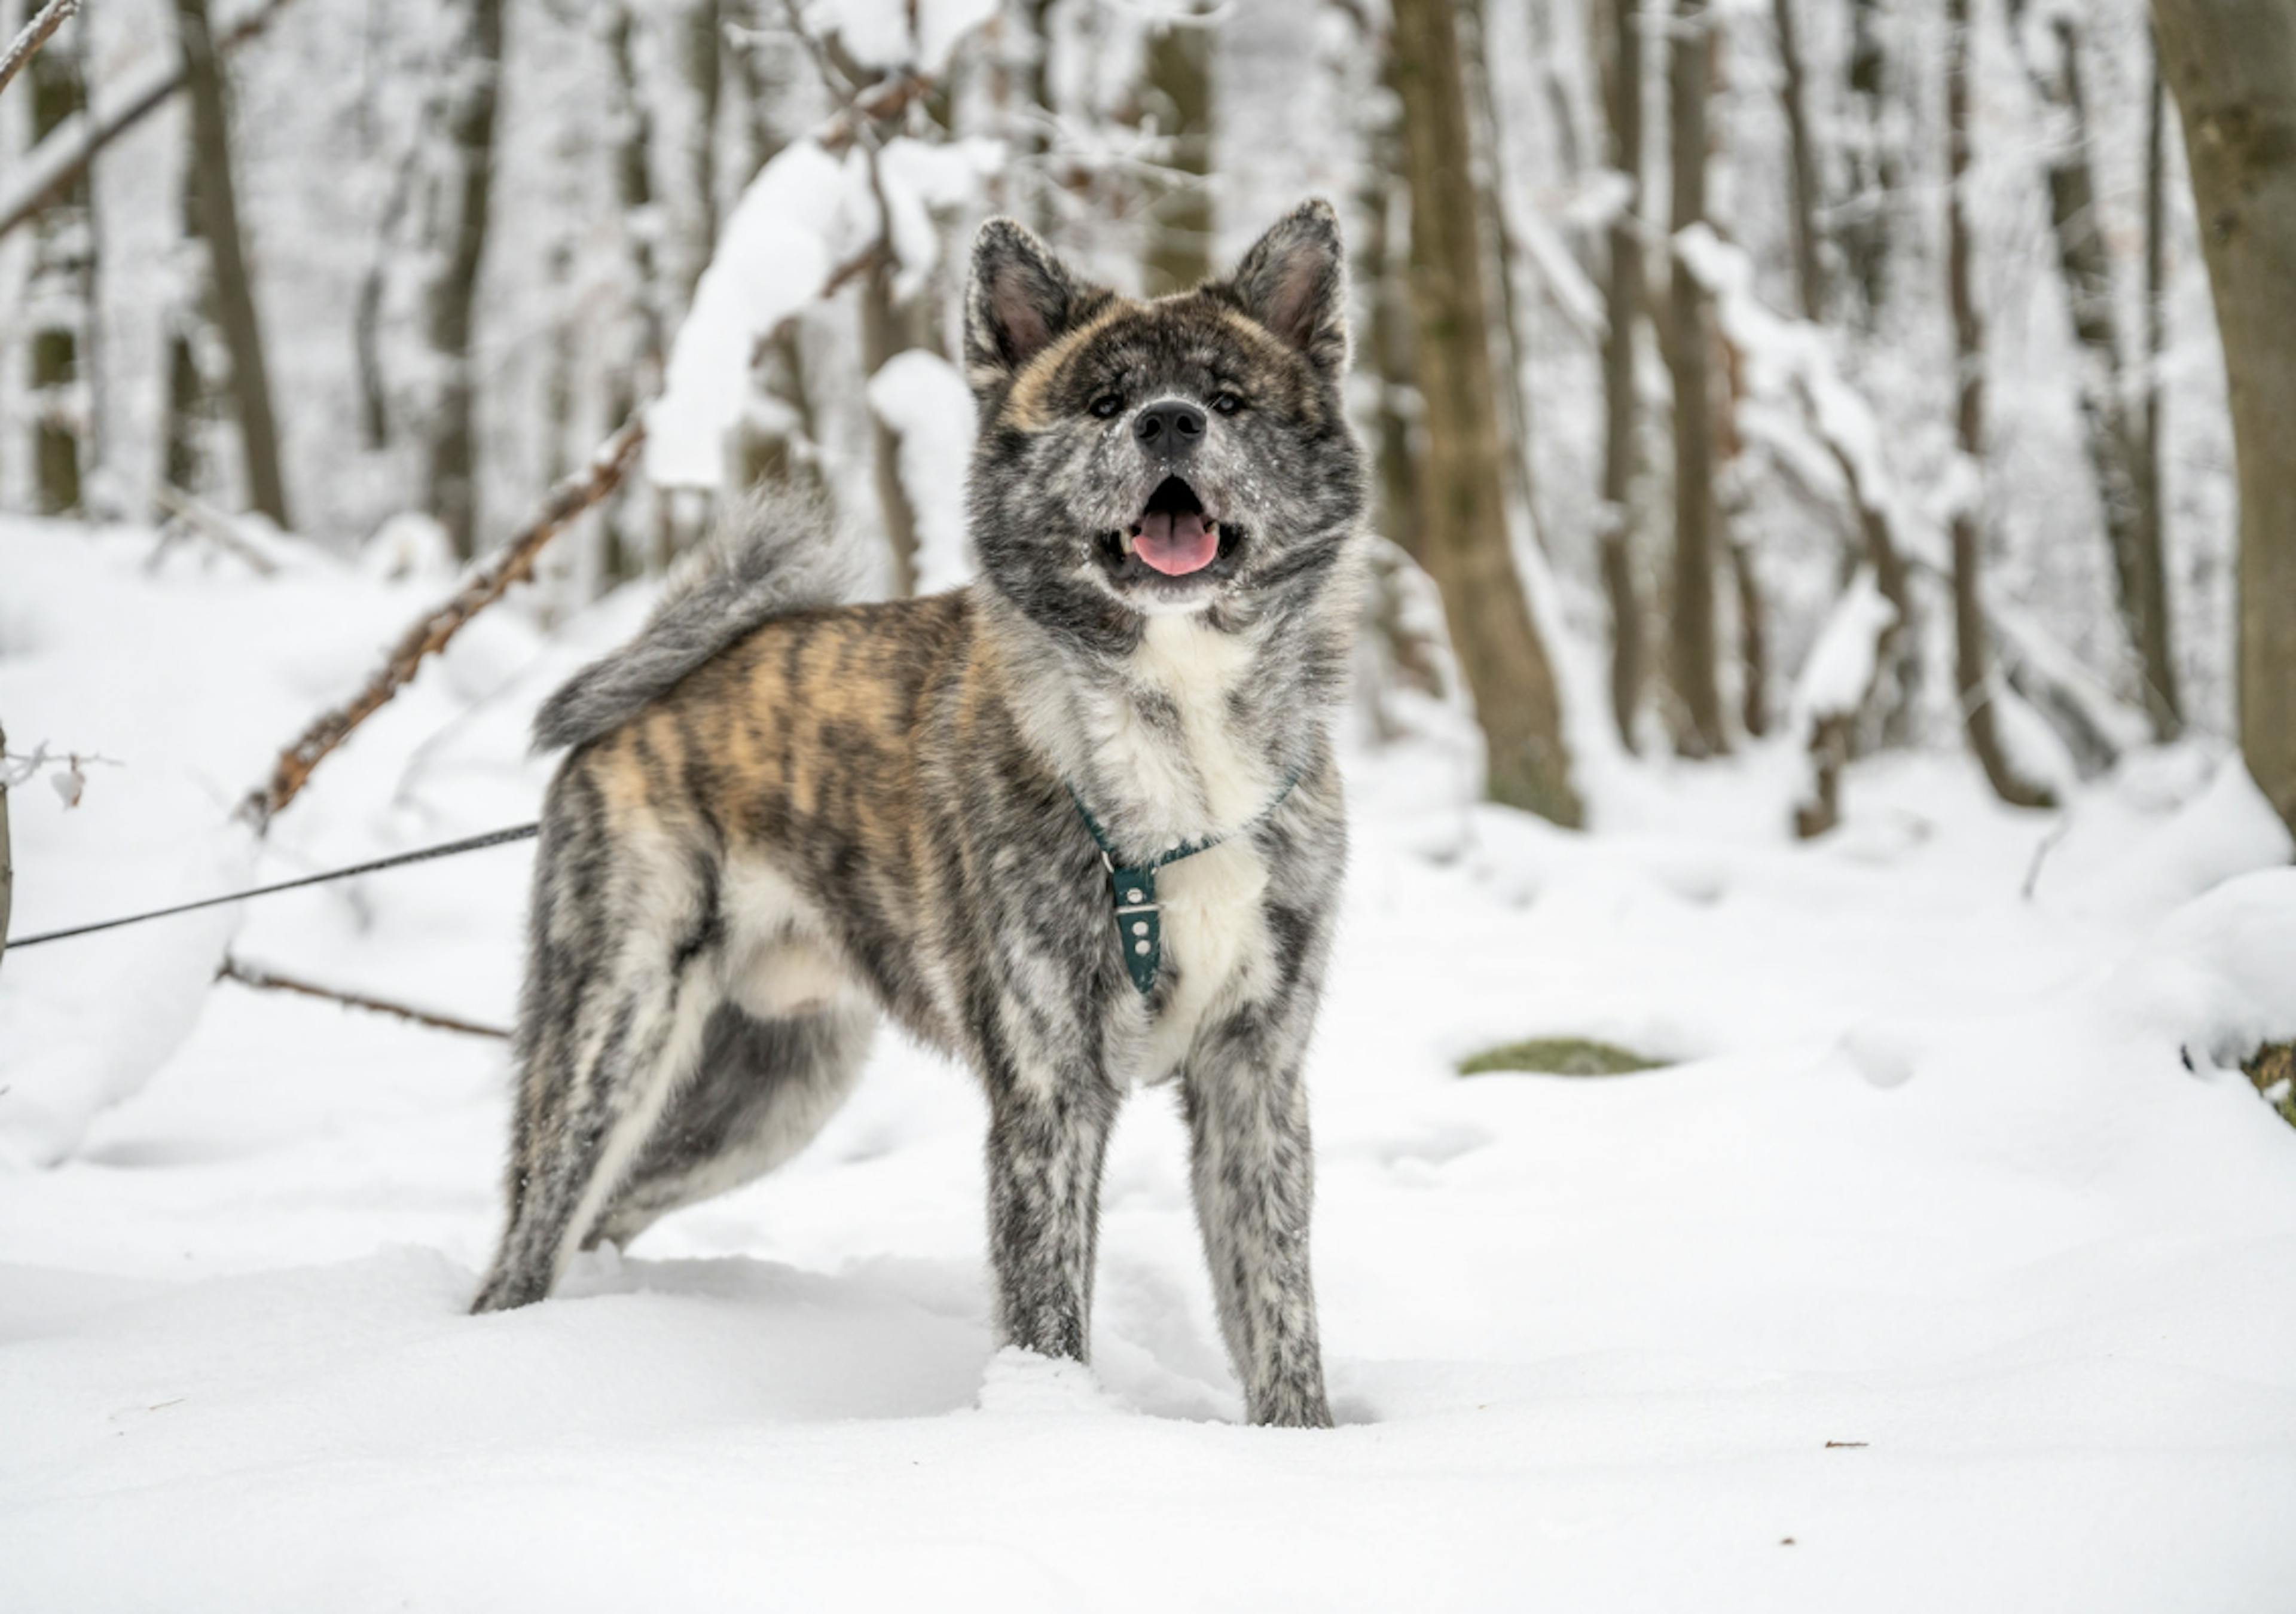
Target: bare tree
[2232, 64]
[2113, 440]
[1971, 680]
[1462, 536]
[234, 295]
[35, 32]
[1876, 168]
[1179, 94]
[450, 438]
[1808, 199]
[1695, 645]
[60, 316]
[1622, 298]
[2163, 700]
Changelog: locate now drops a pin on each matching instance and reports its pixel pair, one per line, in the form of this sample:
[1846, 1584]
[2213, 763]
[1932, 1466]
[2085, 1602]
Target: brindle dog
[783, 817]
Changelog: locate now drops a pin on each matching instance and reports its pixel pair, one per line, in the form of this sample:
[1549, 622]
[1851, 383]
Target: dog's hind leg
[763, 1089]
[619, 991]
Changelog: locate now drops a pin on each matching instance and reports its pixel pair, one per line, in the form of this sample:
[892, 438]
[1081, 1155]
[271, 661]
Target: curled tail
[771, 555]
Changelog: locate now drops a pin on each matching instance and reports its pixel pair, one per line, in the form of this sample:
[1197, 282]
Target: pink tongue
[1177, 544]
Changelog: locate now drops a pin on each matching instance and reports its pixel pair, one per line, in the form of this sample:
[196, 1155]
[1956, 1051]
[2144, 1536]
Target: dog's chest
[1185, 743]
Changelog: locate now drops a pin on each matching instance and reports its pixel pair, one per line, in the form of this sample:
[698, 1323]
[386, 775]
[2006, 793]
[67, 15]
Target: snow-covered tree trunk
[1693, 640]
[2232, 64]
[2163, 696]
[216, 193]
[1972, 681]
[1462, 536]
[1622, 306]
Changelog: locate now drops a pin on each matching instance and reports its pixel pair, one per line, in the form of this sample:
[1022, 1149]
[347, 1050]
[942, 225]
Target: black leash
[524, 831]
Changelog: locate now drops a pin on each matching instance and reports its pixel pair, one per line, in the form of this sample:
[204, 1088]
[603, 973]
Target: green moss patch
[1558, 1056]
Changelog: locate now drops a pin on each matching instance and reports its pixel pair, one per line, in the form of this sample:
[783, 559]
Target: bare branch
[271, 980]
[35, 34]
[59, 160]
[484, 585]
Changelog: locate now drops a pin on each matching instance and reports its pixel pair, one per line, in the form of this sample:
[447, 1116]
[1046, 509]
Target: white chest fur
[1216, 782]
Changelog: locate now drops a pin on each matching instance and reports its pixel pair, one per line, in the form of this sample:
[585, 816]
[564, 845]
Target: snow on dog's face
[1186, 454]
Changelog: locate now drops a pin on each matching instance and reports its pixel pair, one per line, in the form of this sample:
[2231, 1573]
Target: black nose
[1171, 428]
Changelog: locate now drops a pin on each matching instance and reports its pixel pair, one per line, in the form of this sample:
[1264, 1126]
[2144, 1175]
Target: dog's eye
[1225, 402]
[1107, 405]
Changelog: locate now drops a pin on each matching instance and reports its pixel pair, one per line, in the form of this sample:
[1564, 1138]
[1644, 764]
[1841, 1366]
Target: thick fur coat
[781, 817]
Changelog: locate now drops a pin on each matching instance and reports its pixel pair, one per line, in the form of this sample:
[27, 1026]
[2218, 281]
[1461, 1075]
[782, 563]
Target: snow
[1841, 667]
[921, 395]
[805, 213]
[1950, 1265]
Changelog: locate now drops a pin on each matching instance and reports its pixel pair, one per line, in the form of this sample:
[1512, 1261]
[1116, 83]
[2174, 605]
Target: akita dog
[1078, 822]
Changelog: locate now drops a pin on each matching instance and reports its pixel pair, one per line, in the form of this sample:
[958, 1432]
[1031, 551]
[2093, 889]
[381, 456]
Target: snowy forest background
[1832, 1151]
[469, 235]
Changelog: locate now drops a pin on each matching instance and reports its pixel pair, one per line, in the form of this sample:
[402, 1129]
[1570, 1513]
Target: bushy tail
[771, 555]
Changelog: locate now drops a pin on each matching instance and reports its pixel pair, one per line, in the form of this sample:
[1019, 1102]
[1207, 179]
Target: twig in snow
[482, 587]
[43, 23]
[271, 980]
[214, 525]
[2048, 844]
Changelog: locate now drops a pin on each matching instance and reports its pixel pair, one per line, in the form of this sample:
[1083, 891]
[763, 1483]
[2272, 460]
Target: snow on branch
[49, 169]
[816, 217]
[35, 34]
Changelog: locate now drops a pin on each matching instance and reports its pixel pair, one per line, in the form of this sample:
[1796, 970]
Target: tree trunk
[2111, 438]
[59, 93]
[1461, 535]
[1622, 298]
[7, 862]
[1971, 680]
[234, 295]
[704, 51]
[1385, 276]
[1876, 172]
[1499, 258]
[451, 439]
[1179, 95]
[883, 333]
[2232, 64]
[1809, 266]
[2162, 699]
[1689, 72]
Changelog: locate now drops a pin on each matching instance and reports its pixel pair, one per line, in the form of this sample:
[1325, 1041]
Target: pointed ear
[1019, 299]
[1295, 282]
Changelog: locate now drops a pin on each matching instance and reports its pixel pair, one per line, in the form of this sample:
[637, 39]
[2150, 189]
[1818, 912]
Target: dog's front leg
[1247, 1108]
[1047, 1136]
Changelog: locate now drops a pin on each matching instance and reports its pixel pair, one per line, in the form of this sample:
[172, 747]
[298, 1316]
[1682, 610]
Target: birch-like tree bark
[1461, 536]
[2232, 64]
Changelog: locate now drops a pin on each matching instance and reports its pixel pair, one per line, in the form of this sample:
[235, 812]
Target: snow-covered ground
[1947, 1268]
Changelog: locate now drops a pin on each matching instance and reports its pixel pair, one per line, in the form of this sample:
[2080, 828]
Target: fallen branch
[484, 585]
[271, 980]
[46, 22]
[58, 161]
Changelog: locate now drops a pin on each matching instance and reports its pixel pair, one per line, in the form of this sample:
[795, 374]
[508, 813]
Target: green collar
[1132, 885]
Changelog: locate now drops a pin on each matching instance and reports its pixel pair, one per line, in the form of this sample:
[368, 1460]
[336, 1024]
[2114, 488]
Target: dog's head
[1183, 455]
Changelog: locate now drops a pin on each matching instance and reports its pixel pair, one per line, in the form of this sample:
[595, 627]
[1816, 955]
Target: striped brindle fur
[783, 817]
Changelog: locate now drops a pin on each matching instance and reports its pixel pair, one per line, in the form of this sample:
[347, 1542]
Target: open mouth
[1173, 537]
